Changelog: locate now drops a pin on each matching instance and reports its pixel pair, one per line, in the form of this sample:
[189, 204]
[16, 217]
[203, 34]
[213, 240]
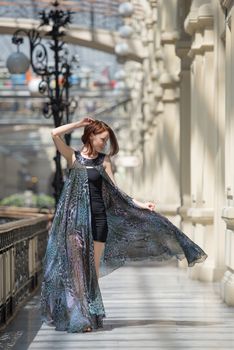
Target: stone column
[157, 137]
[183, 45]
[154, 138]
[206, 141]
[227, 283]
[149, 106]
[170, 193]
[219, 122]
[144, 98]
[136, 78]
[170, 141]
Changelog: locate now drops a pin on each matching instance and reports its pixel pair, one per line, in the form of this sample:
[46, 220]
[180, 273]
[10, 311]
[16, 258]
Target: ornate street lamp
[55, 78]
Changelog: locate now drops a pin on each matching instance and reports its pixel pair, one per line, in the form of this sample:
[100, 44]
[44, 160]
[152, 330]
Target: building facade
[187, 127]
[180, 123]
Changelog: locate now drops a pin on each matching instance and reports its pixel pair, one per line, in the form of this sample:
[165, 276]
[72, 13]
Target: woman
[97, 224]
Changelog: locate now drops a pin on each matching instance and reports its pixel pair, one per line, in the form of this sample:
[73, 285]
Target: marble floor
[148, 306]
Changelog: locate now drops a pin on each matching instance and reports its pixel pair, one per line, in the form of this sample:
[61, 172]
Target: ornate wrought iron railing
[22, 247]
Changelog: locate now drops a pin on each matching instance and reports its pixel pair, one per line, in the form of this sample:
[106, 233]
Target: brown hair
[97, 127]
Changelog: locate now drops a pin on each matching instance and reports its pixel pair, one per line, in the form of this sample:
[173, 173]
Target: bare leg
[98, 249]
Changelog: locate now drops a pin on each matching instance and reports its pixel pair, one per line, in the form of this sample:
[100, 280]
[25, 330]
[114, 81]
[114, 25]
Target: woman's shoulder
[107, 157]
[107, 160]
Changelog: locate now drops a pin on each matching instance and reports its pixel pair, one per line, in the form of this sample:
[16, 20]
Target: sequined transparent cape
[70, 295]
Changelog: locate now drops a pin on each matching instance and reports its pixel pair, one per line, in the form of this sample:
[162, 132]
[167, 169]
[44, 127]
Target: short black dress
[98, 211]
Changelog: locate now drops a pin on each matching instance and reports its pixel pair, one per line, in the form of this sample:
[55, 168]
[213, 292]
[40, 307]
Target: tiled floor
[147, 307]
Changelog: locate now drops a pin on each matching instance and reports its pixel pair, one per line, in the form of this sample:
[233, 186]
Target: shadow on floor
[21, 331]
[112, 324]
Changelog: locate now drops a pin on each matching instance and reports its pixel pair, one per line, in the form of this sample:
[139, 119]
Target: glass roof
[98, 13]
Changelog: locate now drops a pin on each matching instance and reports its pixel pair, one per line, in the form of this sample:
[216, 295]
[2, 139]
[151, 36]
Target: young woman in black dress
[95, 222]
[95, 137]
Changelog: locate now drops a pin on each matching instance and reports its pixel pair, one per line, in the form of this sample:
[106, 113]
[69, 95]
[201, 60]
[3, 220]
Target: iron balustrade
[22, 248]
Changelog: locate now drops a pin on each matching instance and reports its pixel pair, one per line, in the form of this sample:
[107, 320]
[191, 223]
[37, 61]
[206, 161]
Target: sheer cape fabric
[70, 296]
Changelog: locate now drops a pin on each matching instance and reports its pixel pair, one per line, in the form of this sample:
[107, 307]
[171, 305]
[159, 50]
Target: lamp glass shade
[18, 63]
[121, 49]
[33, 85]
[126, 31]
[126, 9]
[120, 75]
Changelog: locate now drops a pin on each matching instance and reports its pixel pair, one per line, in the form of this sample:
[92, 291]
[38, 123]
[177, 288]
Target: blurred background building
[160, 72]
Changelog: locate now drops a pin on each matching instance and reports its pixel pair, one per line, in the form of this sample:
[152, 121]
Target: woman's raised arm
[66, 151]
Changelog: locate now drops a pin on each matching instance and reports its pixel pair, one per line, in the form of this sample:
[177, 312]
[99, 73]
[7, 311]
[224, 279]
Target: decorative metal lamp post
[55, 78]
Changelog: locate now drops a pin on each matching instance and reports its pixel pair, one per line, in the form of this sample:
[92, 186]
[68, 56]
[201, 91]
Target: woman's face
[99, 140]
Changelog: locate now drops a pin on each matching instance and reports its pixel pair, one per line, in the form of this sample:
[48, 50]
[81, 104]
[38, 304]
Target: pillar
[227, 283]
[206, 138]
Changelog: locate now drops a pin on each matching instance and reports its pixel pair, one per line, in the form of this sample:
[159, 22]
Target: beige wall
[187, 130]
[227, 286]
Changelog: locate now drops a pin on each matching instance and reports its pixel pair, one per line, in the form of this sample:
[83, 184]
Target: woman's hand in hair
[86, 121]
